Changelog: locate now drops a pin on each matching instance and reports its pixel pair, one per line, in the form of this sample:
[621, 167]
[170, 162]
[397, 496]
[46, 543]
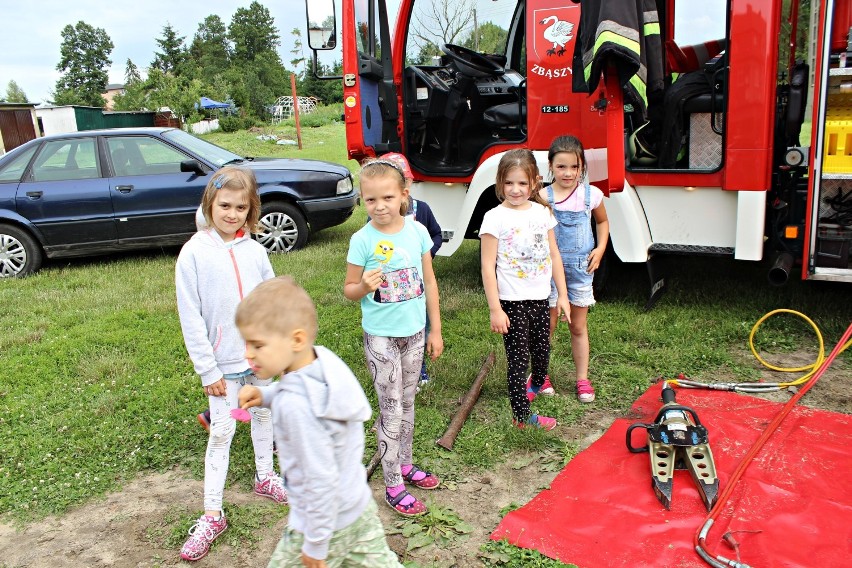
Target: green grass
[96, 387]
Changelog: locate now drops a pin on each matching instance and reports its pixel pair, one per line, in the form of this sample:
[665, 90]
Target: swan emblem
[558, 33]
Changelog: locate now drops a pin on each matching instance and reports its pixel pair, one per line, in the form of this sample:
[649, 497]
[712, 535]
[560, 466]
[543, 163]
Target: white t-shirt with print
[523, 252]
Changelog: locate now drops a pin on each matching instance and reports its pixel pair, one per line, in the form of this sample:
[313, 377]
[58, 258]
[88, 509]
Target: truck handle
[717, 130]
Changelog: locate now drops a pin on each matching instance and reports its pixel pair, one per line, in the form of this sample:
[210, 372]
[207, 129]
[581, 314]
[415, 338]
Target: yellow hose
[683, 381]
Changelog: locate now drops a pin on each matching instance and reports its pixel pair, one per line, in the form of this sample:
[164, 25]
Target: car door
[66, 197]
[153, 200]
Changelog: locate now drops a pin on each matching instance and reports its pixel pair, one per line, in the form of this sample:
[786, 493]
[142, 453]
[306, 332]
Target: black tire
[20, 254]
[601, 276]
[283, 227]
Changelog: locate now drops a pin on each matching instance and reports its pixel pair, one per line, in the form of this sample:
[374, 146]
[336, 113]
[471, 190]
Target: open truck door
[369, 95]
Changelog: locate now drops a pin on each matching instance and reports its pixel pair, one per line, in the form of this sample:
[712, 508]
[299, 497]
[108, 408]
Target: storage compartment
[833, 246]
[837, 157]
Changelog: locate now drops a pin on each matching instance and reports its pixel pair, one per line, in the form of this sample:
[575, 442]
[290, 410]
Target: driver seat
[509, 118]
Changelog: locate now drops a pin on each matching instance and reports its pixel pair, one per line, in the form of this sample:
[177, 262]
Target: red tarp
[600, 511]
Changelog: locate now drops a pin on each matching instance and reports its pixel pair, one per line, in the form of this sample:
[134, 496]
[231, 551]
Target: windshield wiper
[234, 161]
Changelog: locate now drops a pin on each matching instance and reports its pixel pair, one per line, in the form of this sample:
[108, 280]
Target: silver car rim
[13, 256]
[280, 232]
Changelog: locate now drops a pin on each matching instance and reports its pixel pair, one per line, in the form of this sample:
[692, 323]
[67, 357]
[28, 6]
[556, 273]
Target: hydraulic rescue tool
[678, 440]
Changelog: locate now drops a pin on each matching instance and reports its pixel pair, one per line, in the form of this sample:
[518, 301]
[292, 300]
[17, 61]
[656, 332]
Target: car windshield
[210, 152]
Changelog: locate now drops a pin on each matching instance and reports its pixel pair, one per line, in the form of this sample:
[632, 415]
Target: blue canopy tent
[211, 104]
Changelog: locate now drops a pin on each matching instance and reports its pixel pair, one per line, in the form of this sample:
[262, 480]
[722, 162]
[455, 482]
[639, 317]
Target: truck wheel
[283, 227]
[602, 273]
[599, 280]
[20, 254]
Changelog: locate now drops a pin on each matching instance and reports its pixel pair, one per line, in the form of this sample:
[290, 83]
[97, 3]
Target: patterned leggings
[394, 363]
[528, 340]
[222, 429]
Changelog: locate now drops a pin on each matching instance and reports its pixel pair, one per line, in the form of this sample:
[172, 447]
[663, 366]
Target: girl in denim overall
[574, 203]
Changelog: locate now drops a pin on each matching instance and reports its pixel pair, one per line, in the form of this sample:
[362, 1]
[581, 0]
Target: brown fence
[167, 120]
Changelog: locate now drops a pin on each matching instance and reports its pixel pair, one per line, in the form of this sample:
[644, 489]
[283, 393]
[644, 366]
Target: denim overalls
[575, 241]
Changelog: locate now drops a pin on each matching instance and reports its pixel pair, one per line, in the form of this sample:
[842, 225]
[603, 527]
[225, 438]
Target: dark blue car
[100, 191]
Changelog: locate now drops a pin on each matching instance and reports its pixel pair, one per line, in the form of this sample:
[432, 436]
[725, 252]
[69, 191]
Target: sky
[29, 45]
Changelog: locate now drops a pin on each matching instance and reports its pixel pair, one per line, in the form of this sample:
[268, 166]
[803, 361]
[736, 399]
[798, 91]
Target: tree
[441, 22]
[210, 49]
[491, 39]
[131, 73]
[327, 92]
[173, 51]
[84, 60]
[14, 94]
[253, 32]
[298, 52]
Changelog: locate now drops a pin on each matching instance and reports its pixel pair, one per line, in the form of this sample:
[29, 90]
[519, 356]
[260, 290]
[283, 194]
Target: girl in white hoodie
[216, 268]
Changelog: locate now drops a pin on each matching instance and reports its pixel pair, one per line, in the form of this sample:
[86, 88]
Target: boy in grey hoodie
[318, 411]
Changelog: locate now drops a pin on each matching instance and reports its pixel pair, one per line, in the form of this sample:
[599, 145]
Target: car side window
[70, 159]
[13, 171]
[142, 156]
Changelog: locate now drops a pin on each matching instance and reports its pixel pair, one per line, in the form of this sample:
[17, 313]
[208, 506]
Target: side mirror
[192, 166]
[322, 24]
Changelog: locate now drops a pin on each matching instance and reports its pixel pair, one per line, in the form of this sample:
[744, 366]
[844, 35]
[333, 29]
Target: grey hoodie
[318, 414]
[211, 277]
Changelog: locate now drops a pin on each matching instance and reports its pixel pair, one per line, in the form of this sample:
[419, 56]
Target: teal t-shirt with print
[398, 307]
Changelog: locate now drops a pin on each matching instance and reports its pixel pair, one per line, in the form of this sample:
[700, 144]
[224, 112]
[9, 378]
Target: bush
[234, 123]
[322, 115]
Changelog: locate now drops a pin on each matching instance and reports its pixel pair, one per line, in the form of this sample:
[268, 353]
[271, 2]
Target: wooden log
[371, 466]
[448, 439]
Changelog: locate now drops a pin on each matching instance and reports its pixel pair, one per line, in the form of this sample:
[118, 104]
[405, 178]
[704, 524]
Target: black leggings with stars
[528, 341]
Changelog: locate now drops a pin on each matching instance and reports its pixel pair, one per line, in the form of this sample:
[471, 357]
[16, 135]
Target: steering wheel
[471, 63]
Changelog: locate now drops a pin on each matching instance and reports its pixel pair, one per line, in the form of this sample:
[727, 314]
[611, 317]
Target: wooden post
[296, 109]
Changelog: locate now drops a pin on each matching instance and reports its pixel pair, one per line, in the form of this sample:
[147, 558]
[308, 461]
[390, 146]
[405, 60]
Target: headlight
[344, 185]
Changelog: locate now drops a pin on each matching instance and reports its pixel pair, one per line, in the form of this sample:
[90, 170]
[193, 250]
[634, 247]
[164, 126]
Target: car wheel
[283, 227]
[20, 254]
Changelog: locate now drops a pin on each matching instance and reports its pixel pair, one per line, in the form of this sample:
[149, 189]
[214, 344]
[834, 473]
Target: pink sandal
[431, 481]
[415, 509]
[585, 392]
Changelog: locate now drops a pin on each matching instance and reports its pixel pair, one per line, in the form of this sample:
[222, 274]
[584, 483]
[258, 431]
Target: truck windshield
[480, 25]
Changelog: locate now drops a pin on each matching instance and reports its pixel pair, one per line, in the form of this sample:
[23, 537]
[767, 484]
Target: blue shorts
[579, 283]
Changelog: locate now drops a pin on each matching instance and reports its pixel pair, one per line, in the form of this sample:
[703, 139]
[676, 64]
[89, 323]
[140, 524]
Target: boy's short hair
[279, 305]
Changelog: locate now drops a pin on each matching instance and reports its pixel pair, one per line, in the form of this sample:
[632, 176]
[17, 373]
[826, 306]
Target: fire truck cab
[698, 143]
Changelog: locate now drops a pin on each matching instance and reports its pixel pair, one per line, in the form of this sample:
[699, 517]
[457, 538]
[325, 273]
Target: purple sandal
[429, 482]
[415, 509]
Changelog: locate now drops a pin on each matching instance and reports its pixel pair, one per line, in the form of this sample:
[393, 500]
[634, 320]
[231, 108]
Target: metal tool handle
[671, 407]
[630, 430]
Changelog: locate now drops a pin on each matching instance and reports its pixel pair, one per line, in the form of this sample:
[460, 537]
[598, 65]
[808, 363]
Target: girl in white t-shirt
[519, 258]
[574, 204]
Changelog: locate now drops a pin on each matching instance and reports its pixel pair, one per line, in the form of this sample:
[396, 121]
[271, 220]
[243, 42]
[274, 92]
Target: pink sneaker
[537, 421]
[585, 392]
[271, 487]
[546, 388]
[205, 530]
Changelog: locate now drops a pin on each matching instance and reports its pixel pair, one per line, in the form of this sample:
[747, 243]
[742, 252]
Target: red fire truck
[725, 168]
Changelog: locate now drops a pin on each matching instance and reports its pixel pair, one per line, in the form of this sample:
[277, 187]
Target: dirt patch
[122, 528]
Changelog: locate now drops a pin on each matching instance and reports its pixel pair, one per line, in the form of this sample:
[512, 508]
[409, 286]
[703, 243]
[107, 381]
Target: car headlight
[344, 185]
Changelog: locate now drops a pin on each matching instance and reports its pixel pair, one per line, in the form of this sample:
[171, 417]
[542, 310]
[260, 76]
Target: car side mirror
[192, 166]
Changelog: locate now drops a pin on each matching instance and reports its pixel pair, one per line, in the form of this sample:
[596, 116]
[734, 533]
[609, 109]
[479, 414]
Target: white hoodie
[211, 277]
[318, 415]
